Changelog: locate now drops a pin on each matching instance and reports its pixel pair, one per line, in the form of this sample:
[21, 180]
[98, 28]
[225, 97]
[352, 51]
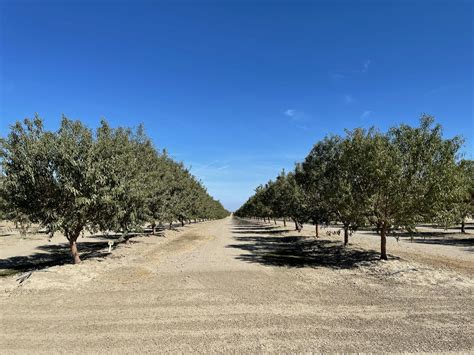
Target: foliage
[393, 180]
[73, 179]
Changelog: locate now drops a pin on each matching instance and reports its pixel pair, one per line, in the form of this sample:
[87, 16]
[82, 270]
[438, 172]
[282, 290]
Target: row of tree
[113, 179]
[393, 180]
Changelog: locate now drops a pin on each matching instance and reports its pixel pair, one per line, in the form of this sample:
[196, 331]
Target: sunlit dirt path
[233, 285]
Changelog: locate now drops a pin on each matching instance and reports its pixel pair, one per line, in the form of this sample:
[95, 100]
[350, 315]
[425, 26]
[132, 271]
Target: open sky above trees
[238, 90]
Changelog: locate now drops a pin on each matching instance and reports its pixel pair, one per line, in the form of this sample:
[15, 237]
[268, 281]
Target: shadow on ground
[240, 227]
[262, 247]
[52, 255]
[259, 231]
[461, 240]
[59, 254]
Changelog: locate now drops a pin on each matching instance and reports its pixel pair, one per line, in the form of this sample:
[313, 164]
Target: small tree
[49, 176]
[411, 176]
[292, 199]
[332, 178]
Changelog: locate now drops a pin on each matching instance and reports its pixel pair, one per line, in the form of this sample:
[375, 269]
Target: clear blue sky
[238, 90]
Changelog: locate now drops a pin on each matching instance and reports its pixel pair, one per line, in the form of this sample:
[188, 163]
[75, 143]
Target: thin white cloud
[340, 75]
[290, 112]
[349, 99]
[205, 166]
[366, 65]
[365, 114]
[297, 116]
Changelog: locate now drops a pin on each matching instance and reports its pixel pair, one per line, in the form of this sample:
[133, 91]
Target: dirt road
[232, 285]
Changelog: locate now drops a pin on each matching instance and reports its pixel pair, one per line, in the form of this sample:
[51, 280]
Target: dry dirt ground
[235, 285]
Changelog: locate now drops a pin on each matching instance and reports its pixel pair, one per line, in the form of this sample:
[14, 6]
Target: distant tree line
[393, 180]
[113, 179]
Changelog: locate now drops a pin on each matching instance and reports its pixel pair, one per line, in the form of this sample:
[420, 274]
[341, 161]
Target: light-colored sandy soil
[234, 285]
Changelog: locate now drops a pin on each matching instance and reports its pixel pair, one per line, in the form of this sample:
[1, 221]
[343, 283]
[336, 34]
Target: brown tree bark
[463, 226]
[316, 228]
[75, 255]
[284, 222]
[383, 242]
[346, 235]
[377, 227]
[72, 237]
[297, 226]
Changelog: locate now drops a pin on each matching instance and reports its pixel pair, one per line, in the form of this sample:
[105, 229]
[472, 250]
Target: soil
[237, 285]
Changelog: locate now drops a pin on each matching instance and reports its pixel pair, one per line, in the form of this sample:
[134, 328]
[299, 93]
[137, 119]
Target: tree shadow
[260, 231]
[53, 255]
[467, 225]
[7, 234]
[118, 236]
[257, 227]
[59, 254]
[294, 251]
[466, 242]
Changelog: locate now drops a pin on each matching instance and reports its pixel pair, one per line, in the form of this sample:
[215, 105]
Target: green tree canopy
[73, 179]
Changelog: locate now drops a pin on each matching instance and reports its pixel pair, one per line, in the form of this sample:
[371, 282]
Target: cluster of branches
[393, 180]
[112, 179]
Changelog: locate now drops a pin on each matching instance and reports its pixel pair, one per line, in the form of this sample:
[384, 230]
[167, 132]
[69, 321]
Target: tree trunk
[182, 223]
[316, 229]
[75, 255]
[284, 222]
[297, 226]
[153, 228]
[377, 227]
[73, 246]
[171, 225]
[463, 226]
[346, 235]
[274, 220]
[383, 242]
[125, 237]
